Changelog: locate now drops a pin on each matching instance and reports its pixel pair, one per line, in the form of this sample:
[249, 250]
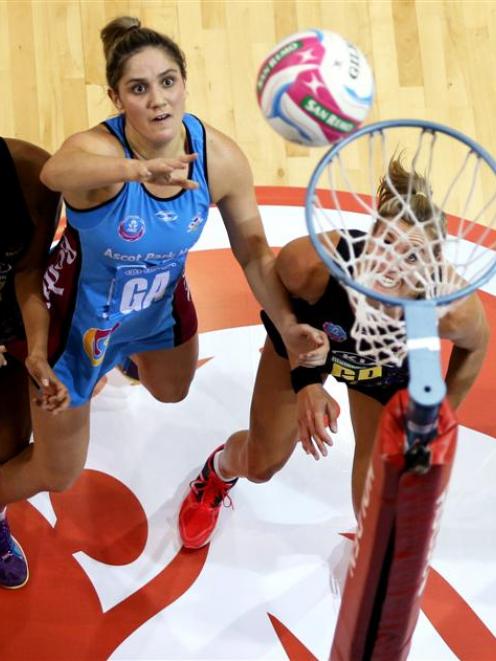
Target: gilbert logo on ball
[315, 88]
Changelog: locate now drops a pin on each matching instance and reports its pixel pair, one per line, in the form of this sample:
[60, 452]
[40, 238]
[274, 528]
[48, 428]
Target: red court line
[295, 196]
[461, 629]
[293, 647]
[58, 615]
[446, 610]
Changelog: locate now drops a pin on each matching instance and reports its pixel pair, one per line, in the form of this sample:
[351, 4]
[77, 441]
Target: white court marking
[280, 551]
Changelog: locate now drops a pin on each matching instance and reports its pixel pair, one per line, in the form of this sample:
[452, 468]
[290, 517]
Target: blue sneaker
[14, 571]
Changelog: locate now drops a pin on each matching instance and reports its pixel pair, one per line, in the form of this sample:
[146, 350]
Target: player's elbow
[293, 271]
[485, 334]
[48, 175]
[482, 333]
[255, 251]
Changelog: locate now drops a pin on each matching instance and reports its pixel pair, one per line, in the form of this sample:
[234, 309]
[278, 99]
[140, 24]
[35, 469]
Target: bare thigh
[60, 443]
[15, 418]
[167, 373]
[264, 449]
[365, 416]
[54, 460]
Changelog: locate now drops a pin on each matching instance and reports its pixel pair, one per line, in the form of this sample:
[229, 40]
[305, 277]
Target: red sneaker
[201, 507]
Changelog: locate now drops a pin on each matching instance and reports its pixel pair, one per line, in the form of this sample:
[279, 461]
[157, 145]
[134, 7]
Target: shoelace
[5, 540]
[204, 488]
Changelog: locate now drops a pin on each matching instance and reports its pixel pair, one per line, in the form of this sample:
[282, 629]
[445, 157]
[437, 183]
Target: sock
[218, 470]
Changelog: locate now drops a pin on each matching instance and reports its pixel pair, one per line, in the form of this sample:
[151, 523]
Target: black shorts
[379, 391]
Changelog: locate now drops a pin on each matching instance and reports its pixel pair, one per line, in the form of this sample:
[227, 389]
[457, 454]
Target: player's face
[152, 93]
[399, 252]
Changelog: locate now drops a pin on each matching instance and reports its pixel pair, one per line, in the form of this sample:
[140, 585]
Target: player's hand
[3, 360]
[52, 395]
[309, 345]
[317, 412]
[167, 171]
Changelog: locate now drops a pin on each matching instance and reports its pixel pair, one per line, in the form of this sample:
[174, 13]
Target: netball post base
[397, 526]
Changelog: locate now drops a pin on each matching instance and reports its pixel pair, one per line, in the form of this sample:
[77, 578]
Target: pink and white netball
[315, 88]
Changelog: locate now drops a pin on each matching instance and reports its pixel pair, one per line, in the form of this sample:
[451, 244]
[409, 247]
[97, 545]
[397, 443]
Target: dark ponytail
[124, 36]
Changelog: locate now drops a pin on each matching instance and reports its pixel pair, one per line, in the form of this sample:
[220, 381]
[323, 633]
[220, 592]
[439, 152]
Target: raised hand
[308, 344]
[316, 411]
[167, 171]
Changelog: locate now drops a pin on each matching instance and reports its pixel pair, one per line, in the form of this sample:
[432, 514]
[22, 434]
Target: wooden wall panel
[431, 59]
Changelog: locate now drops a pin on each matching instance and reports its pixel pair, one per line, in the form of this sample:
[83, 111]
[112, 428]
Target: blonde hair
[408, 195]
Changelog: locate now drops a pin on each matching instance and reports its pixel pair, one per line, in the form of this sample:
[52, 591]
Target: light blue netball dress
[115, 284]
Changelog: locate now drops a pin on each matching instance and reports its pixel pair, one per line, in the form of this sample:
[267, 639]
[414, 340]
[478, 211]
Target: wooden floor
[431, 59]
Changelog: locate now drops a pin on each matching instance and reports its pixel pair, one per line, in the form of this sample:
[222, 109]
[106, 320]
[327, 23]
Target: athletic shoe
[201, 507]
[13, 564]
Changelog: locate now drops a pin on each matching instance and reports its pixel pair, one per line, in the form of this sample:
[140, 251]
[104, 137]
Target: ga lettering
[138, 294]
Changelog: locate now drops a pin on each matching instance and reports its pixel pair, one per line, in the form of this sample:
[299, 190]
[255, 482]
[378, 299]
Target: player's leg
[55, 458]
[15, 431]
[262, 451]
[51, 463]
[365, 414]
[15, 427]
[257, 453]
[168, 373]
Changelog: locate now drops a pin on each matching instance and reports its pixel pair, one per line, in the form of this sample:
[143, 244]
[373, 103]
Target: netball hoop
[424, 240]
[440, 255]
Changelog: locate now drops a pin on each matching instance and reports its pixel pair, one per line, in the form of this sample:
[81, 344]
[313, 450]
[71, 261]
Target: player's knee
[266, 453]
[57, 483]
[57, 480]
[171, 394]
[261, 466]
[260, 473]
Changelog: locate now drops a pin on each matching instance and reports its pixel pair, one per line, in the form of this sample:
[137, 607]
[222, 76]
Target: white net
[425, 231]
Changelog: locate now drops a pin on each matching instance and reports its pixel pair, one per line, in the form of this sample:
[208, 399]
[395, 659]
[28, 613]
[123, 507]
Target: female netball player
[137, 190]
[290, 402]
[30, 212]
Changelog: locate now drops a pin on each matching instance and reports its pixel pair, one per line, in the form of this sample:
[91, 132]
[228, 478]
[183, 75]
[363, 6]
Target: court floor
[109, 577]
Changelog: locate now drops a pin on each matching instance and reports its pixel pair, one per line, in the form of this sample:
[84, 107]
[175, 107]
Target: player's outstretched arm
[467, 327]
[90, 167]
[231, 186]
[90, 160]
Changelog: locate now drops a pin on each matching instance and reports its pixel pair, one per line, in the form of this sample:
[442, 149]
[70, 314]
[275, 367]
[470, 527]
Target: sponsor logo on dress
[65, 255]
[352, 368]
[167, 216]
[95, 343]
[144, 257]
[196, 222]
[131, 228]
[334, 332]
